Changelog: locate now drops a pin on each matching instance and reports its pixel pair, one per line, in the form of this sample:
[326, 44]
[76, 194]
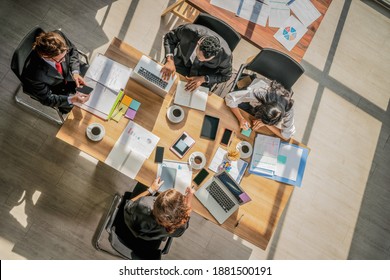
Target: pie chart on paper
[289, 33]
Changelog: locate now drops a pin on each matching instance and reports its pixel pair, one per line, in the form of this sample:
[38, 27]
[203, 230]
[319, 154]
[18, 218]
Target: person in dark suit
[198, 53]
[156, 218]
[52, 72]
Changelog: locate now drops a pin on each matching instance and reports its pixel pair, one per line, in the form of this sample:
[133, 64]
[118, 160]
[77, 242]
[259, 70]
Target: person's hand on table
[244, 124]
[257, 124]
[78, 79]
[194, 82]
[79, 98]
[189, 195]
[157, 183]
[168, 70]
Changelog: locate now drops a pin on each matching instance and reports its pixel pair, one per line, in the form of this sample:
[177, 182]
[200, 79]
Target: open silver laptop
[147, 73]
[222, 196]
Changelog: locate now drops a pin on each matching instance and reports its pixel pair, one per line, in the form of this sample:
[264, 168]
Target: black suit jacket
[139, 219]
[182, 42]
[45, 83]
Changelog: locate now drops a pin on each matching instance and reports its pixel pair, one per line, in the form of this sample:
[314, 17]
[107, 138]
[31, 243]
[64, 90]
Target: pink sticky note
[130, 114]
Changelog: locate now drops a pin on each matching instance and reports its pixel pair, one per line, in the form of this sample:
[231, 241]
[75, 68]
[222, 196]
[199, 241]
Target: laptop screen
[233, 188]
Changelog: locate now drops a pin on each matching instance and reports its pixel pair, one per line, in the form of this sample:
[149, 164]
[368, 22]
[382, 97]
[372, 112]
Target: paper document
[183, 175]
[254, 10]
[279, 13]
[265, 154]
[236, 170]
[107, 78]
[132, 148]
[196, 99]
[230, 5]
[290, 33]
[305, 11]
[289, 159]
[109, 73]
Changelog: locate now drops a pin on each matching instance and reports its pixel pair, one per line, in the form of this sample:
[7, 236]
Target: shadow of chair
[224, 30]
[121, 239]
[21, 53]
[273, 65]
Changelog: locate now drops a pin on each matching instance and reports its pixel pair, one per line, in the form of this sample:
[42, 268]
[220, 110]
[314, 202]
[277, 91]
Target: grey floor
[52, 196]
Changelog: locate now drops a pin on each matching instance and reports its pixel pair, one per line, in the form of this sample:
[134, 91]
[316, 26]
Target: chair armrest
[167, 246]
[84, 55]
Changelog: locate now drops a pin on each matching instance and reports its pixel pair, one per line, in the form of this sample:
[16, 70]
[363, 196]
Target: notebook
[222, 196]
[108, 79]
[196, 99]
[147, 73]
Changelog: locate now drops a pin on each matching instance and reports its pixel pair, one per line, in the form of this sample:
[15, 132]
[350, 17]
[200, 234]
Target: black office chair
[121, 239]
[19, 58]
[273, 65]
[221, 28]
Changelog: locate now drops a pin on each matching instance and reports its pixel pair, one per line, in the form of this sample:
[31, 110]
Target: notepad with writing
[196, 99]
[107, 78]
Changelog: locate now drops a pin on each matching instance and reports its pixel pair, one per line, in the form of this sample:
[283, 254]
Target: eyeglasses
[61, 59]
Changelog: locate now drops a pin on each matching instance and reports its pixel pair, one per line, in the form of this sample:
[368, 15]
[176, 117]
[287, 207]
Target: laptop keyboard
[220, 196]
[152, 78]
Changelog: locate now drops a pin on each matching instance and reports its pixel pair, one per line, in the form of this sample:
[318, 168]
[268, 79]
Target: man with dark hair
[199, 54]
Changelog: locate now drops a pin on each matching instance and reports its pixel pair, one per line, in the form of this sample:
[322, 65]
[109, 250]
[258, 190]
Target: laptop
[222, 196]
[147, 73]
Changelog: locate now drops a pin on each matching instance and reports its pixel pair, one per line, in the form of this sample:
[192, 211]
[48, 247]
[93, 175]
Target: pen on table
[231, 139]
[120, 109]
[239, 220]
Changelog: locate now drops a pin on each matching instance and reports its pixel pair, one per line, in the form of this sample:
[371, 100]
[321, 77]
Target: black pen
[120, 109]
[239, 220]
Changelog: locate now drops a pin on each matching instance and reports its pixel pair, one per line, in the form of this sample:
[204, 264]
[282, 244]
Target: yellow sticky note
[126, 100]
[119, 112]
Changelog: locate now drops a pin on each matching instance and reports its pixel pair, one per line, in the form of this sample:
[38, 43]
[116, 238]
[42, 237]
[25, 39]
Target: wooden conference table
[269, 198]
[263, 37]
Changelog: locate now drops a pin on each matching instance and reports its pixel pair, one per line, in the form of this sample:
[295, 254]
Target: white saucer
[193, 164]
[92, 137]
[170, 115]
[242, 154]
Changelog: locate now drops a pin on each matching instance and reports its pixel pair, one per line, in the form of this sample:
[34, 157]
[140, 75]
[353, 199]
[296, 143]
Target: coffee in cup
[176, 113]
[244, 149]
[95, 131]
[198, 160]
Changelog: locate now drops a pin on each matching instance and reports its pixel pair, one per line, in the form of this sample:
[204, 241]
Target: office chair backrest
[221, 28]
[276, 65]
[23, 51]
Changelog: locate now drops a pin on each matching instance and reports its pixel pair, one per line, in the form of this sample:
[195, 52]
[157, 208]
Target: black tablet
[209, 127]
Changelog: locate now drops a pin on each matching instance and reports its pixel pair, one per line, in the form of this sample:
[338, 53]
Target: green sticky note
[246, 132]
[282, 159]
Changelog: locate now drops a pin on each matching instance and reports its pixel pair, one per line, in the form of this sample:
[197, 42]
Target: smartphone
[199, 178]
[159, 154]
[227, 135]
[84, 89]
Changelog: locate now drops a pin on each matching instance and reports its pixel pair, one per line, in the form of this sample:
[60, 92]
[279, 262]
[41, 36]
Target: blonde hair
[49, 44]
[171, 210]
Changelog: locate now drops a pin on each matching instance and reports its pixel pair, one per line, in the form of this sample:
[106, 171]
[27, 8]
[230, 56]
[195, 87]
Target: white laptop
[147, 73]
[222, 196]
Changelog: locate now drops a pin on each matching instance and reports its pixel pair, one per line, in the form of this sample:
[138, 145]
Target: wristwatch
[151, 191]
[207, 79]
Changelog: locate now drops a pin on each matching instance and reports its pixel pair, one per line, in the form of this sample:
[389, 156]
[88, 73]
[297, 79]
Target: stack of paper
[283, 162]
[265, 155]
[107, 77]
[133, 147]
[196, 99]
